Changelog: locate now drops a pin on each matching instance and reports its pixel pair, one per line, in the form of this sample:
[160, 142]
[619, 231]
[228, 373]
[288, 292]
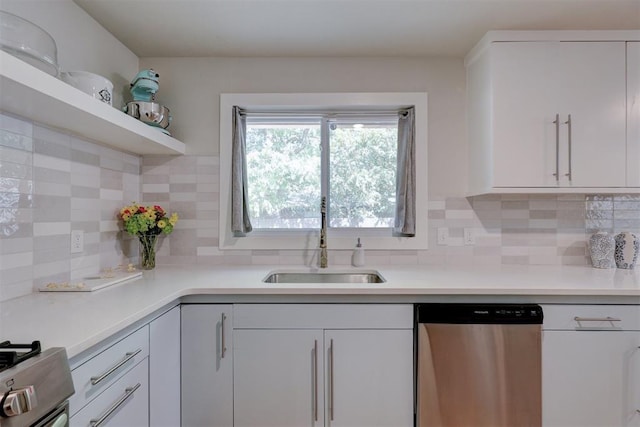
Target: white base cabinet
[323, 365]
[591, 367]
[370, 377]
[124, 403]
[207, 365]
[112, 383]
[164, 370]
[278, 378]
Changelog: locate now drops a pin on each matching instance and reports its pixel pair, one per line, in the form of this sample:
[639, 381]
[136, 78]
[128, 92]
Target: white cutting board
[89, 284]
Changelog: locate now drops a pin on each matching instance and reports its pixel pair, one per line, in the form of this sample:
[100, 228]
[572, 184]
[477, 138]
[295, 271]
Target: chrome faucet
[323, 233]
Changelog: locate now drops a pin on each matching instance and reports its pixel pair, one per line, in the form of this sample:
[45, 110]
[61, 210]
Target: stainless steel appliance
[479, 365]
[34, 386]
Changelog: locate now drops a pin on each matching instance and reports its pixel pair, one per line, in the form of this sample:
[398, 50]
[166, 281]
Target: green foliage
[362, 176]
[284, 173]
[284, 176]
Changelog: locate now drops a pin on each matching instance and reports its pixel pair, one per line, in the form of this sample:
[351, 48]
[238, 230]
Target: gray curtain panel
[405, 220]
[240, 223]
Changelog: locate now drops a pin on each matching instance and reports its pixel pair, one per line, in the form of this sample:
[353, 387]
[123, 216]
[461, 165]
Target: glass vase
[148, 251]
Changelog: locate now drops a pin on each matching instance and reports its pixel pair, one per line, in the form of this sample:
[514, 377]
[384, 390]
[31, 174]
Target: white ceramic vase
[627, 249]
[602, 247]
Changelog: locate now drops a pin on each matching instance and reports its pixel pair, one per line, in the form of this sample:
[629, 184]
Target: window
[349, 158]
[300, 147]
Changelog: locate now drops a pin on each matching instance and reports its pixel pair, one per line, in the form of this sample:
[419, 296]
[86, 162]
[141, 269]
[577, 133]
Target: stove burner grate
[11, 356]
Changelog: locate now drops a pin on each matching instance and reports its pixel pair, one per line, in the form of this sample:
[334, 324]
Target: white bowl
[92, 84]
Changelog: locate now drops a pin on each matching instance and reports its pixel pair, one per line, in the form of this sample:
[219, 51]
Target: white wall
[82, 43]
[190, 87]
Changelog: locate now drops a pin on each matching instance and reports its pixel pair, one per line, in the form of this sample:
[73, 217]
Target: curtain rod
[328, 113]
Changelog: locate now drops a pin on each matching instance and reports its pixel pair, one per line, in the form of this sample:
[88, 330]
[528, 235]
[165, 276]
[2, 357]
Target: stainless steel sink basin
[324, 277]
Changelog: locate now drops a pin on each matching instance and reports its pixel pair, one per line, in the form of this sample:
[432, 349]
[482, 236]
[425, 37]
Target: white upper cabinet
[33, 94]
[633, 113]
[549, 116]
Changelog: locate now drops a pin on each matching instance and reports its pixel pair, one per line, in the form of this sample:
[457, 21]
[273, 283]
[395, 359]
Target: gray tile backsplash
[52, 183]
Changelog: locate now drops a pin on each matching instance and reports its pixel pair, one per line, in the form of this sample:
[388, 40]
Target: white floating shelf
[28, 92]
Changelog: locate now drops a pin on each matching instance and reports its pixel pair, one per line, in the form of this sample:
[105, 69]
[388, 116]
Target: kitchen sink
[324, 277]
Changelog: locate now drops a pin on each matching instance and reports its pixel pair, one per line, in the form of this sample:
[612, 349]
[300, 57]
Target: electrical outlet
[469, 236]
[77, 241]
[443, 236]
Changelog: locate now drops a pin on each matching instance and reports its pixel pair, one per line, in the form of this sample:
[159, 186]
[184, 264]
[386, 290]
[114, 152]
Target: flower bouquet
[147, 222]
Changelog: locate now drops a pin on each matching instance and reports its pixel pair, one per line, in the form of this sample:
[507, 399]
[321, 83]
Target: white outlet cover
[77, 241]
[469, 236]
[443, 236]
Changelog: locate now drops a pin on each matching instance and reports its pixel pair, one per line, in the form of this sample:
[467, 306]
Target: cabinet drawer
[98, 373]
[124, 403]
[322, 316]
[591, 317]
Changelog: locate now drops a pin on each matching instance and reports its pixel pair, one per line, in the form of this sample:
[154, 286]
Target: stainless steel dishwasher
[479, 365]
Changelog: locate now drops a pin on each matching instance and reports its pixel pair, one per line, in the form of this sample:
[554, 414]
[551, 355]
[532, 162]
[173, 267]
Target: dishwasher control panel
[479, 313]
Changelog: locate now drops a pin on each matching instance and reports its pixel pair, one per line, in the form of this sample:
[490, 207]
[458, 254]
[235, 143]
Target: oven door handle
[58, 418]
[61, 421]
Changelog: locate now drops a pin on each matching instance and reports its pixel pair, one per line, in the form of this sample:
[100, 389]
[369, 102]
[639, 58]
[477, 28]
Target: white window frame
[336, 238]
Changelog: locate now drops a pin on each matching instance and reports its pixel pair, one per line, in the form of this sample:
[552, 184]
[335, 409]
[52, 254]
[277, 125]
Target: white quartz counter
[79, 320]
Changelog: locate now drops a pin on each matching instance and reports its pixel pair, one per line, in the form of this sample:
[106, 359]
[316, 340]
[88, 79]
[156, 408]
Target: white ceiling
[174, 28]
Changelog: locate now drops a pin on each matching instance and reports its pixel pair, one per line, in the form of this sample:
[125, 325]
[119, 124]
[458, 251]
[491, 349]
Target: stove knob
[19, 401]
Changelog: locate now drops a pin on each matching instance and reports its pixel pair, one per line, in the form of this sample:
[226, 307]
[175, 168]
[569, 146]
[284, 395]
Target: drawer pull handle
[557, 123]
[331, 379]
[223, 346]
[315, 380]
[127, 357]
[128, 392]
[597, 319]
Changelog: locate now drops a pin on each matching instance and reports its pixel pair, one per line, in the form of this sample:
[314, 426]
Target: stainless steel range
[34, 386]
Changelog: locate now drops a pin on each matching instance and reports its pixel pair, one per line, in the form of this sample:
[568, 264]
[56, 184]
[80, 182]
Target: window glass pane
[362, 172]
[283, 162]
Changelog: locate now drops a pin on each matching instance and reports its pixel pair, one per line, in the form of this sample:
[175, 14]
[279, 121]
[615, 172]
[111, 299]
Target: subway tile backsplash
[52, 183]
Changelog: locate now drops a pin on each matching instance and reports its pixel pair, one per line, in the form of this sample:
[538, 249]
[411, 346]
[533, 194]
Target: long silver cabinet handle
[557, 123]
[223, 346]
[128, 392]
[331, 380]
[315, 380]
[597, 319]
[568, 123]
[128, 356]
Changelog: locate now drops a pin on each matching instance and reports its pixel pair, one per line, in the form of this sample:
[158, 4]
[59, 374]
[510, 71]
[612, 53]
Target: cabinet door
[633, 114]
[369, 377]
[591, 378]
[593, 90]
[278, 378]
[207, 365]
[524, 83]
[534, 81]
[124, 403]
[164, 369]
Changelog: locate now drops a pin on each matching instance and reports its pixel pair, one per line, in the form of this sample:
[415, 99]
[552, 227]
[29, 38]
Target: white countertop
[79, 320]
